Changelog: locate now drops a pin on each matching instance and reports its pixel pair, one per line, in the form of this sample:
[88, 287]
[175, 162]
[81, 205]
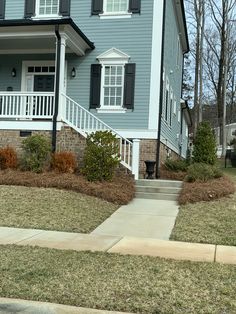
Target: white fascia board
[154, 105]
[29, 125]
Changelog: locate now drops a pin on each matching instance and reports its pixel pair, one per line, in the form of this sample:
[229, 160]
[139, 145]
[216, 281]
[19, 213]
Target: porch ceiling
[29, 36]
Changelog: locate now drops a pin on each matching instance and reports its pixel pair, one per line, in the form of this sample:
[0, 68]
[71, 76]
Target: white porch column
[62, 76]
[135, 158]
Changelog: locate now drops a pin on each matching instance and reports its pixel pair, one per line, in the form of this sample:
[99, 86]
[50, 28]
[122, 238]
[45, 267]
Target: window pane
[106, 101]
[48, 7]
[116, 6]
[118, 101]
[112, 101]
[113, 89]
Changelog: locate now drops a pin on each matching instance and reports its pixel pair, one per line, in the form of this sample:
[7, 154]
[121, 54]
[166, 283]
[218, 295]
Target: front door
[45, 84]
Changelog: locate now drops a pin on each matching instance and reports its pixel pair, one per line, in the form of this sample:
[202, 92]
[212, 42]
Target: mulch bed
[120, 190]
[171, 175]
[206, 191]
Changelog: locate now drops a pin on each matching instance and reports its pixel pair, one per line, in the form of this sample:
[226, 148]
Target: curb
[35, 307]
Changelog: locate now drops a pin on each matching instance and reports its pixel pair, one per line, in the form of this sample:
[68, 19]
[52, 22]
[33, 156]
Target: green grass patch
[52, 209]
[113, 282]
[207, 222]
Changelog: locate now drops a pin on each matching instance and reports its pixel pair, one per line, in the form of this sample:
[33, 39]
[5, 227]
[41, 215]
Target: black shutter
[95, 86]
[135, 6]
[2, 9]
[64, 7]
[129, 85]
[97, 7]
[29, 8]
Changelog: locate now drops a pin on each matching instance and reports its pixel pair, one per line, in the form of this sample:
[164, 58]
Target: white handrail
[84, 122]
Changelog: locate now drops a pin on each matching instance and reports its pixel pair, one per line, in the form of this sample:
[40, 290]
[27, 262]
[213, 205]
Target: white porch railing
[27, 105]
[85, 122]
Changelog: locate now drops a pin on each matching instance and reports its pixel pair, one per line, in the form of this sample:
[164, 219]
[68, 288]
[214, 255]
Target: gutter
[161, 93]
[57, 89]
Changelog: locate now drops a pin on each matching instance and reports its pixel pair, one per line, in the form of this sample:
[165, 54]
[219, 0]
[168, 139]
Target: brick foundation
[69, 140]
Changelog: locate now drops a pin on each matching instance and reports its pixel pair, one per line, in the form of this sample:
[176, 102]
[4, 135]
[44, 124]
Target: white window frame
[38, 15]
[171, 108]
[174, 107]
[166, 101]
[118, 14]
[111, 57]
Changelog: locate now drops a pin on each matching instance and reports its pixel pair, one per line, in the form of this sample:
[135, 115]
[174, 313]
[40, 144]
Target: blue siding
[174, 75]
[132, 35]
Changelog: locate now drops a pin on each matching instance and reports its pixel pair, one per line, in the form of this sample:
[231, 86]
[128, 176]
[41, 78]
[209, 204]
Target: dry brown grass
[206, 191]
[120, 190]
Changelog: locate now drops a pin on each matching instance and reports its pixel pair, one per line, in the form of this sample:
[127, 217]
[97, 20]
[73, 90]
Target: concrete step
[159, 183]
[157, 196]
[153, 189]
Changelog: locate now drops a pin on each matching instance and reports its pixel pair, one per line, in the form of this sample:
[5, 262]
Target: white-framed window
[174, 108]
[113, 64]
[115, 6]
[166, 100]
[113, 85]
[171, 108]
[47, 8]
[179, 114]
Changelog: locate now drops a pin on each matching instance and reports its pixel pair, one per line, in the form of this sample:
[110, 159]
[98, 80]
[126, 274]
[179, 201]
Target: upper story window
[47, 7]
[115, 8]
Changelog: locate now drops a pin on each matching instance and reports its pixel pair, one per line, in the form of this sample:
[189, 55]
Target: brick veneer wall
[69, 140]
[148, 150]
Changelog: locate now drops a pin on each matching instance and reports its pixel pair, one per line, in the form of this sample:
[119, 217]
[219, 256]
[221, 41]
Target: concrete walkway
[143, 218]
[10, 306]
[123, 245]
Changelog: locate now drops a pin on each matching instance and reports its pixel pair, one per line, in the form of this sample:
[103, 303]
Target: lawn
[208, 222]
[113, 282]
[51, 209]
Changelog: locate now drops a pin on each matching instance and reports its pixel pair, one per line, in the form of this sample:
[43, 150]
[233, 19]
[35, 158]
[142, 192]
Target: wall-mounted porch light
[13, 72]
[73, 73]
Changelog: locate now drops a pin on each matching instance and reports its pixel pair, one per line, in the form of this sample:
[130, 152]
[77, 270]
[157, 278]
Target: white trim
[113, 55]
[154, 105]
[29, 125]
[109, 16]
[107, 109]
[26, 64]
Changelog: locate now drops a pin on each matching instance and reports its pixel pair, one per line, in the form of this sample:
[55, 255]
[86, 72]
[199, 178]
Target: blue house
[70, 67]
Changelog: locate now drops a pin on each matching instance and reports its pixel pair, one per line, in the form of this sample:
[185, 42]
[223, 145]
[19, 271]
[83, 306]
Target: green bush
[36, 154]
[204, 150]
[101, 156]
[176, 165]
[202, 172]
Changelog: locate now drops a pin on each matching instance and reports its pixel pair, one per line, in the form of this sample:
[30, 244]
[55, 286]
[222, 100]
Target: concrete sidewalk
[10, 306]
[143, 218]
[122, 245]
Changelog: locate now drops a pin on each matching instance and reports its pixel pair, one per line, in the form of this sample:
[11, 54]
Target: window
[47, 7]
[116, 6]
[112, 82]
[166, 106]
[113, 85]
[171, 108]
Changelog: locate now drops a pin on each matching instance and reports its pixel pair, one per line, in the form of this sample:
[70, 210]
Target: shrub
[202, 172]
[36, 153]
[64, 162]
[204, 150]
[8, 158]
[176, 165]
[101, 156]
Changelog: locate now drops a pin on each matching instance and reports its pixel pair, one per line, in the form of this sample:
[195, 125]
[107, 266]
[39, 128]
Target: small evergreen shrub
[8, 158]
[36, 153]
[64, 162]
[176, 165]
[101, 156]
[202, 172]
[204, 150]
